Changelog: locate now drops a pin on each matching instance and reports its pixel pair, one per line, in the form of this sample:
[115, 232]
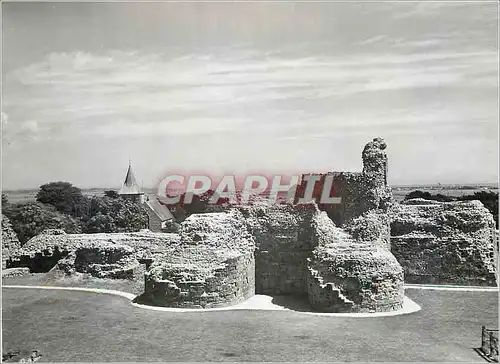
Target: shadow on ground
[294, 303]
[480, 352]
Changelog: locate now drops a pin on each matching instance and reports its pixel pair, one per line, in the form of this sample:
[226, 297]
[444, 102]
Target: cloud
[428, 9]
[75, 95]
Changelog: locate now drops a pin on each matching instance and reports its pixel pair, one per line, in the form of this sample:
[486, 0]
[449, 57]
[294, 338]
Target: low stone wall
[38, 261]
[102, 260]
[445, 243]
[15, 272]
[100, 255]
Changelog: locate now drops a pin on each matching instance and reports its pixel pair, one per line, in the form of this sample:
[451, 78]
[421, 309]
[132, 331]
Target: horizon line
[478, 184]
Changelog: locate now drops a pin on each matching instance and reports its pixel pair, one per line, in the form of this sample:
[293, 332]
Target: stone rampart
[445, 242]
[352, 274]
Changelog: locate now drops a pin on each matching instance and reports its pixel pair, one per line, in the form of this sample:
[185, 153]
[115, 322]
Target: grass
[58, 279]
[79, 326]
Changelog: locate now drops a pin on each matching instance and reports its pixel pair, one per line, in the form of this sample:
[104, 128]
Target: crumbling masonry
[341, 265]
[340, 257]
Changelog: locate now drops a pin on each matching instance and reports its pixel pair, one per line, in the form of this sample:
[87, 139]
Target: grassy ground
[56, 279]
[79, 326]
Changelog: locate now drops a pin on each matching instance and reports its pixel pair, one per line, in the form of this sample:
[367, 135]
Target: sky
[247, 87]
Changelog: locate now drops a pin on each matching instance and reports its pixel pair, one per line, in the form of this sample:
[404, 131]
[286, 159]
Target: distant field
[399, 192]
[30, 195]
[20, 196]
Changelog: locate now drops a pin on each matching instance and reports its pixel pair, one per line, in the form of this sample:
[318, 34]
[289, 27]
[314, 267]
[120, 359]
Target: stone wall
[373, 227]
[349, 273]
[342, 262]
[186, 286]
[103, 260]
[283, 244]
[10, 242]
[213, 265]
[445, 243]
[100, 255]
[360, 192]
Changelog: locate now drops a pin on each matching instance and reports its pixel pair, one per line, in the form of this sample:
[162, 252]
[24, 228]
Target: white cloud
[131, 93]
[244, 108]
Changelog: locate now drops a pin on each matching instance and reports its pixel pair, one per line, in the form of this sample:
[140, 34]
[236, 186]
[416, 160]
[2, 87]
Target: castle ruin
[347, 257]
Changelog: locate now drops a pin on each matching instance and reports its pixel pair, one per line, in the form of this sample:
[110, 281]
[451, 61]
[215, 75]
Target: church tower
[130, 189]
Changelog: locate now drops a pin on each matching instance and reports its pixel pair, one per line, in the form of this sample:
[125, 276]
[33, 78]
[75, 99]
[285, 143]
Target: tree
[32, 218]
[100, 223]
[109, 215]
[65, 197]
[111, 194]
[201, 203]
[428, 196]
[5, 200]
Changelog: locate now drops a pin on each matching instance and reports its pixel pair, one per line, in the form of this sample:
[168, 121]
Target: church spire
[130, 186]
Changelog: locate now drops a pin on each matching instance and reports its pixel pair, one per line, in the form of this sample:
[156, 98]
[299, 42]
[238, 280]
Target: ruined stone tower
[375, 161]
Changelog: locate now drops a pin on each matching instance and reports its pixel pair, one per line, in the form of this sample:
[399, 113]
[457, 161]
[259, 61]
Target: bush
[30, 219]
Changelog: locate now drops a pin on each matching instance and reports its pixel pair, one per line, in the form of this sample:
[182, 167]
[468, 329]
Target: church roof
[160, 210]
[130, 186]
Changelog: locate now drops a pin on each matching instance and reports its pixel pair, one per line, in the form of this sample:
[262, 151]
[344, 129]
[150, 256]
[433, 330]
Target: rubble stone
[213, 265]
[15, 272]
[349, 273]
[349, 257]
[445, 242]
[100, 255]
[10, 242]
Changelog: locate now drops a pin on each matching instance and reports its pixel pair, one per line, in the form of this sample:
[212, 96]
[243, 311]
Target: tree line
[60, 205]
